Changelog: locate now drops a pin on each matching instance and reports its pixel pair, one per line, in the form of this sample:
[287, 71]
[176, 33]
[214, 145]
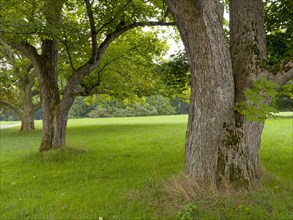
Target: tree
[221, 144]
[80, 31]
[175, 76]
[18, 92]
[279, 30]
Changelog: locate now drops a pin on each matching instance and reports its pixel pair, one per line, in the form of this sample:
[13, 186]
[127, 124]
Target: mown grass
[116, 169]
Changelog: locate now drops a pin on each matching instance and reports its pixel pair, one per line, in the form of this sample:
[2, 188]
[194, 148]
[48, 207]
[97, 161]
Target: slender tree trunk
[28, 111]
[220, 144]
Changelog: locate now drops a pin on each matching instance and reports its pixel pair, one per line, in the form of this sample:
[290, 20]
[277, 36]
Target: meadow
[118, 168]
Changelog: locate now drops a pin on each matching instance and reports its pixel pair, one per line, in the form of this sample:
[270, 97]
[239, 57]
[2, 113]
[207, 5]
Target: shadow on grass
[62, 155]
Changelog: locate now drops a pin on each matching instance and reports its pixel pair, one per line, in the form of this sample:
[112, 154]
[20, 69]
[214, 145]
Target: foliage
[126, 68]
[8, 115]
[188, 212]
[255, 108]
[153, 105]
[80, 109]
[113, 164]
[279, 30]
[175, 75]
[284, 99]
[18, 83]
[284, 103]
[181, 106]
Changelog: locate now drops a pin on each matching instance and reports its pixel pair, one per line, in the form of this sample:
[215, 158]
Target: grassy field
[117, 169]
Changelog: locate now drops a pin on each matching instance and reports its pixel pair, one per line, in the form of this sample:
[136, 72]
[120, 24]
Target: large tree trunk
[212, 84]
[27, 121]
[239, 161]
[220, 144]
[48, 80]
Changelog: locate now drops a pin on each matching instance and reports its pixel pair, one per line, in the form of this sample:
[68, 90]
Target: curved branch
[284, 75]
[28, 50]
[37, 106]
[10, 106]
[78, 75]
[120, 30]
[7, 52]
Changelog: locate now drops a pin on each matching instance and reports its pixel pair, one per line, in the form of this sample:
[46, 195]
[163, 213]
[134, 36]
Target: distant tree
[18, 91]
[284, 100]
[161, 104]
[181, 107]
[80, 109]
[151, 105]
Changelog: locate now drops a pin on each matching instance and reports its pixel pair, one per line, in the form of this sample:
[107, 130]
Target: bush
[154, 105]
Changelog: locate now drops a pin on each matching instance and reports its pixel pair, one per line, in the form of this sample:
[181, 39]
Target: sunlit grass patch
[118, 169]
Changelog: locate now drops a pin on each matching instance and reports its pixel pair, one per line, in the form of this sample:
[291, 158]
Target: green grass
[9, 122]
[115, 168]
[284, 114]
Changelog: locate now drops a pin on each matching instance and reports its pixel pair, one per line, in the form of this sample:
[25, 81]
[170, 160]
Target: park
[101, 120]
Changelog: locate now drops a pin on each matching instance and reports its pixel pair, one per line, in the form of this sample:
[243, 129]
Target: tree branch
[115, 16]
[79, 74]
[67, 51]
[37, 106]
[7, 52]
[93, 31]
[122, 29]
[28, 50]
[119, 57]
[284, 75]
[10, 106]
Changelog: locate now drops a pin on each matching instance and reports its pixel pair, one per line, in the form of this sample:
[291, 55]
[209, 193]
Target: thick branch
[37, 106]
[93, 31]
[285, 75]
[7, 52]
[28, 50]
[78, 75]
[120, 30]
[10, 106]
[81, 72]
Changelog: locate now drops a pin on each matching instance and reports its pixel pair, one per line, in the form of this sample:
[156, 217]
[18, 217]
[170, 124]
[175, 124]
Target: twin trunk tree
[221, 145]
[55, 105]
[23, 107]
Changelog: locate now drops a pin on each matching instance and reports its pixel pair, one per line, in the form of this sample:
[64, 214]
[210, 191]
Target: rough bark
[221, 145]
[46, 69]
[212, 84]
[239, 159]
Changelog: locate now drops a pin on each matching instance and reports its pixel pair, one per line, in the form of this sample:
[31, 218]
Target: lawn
[115, 168]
